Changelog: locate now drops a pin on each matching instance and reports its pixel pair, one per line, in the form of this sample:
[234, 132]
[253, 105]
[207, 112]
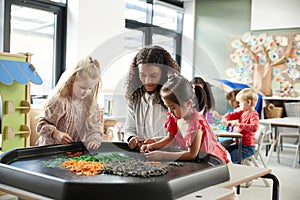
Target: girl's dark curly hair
[154, 55]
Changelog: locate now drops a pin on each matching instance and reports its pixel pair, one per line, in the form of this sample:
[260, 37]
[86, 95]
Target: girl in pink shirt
[186, 127]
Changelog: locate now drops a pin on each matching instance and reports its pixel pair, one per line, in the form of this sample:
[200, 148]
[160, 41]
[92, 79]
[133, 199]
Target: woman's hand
[135, 142]
[62, 137]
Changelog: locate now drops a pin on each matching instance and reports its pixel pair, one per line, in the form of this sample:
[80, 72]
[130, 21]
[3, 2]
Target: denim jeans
[247, 151]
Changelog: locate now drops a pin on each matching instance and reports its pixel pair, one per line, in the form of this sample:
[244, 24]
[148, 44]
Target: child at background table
[231, 98]
[185, 125]
[235, 106]
[72, 113]
[204, 95]
[246, 122]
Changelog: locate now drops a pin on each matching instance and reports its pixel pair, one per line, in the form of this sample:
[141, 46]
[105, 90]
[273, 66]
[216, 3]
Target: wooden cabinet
[278, 102]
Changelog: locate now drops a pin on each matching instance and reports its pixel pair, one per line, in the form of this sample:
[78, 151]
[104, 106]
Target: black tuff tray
[21, 168]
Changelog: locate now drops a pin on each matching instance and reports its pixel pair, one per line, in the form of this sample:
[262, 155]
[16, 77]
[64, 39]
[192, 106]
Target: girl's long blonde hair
[88, 68]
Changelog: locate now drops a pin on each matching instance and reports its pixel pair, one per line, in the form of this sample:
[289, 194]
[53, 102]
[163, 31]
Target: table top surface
[286, 121]
[223, 133]
[241, 174]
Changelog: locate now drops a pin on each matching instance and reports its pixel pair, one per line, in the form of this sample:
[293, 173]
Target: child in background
[72, 113]
[235, 106]
[246, 122]
[204, 95]
[231, 97]
[185, 125]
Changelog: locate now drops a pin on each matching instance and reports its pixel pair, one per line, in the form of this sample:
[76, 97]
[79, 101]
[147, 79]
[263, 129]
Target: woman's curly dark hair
[154, 55]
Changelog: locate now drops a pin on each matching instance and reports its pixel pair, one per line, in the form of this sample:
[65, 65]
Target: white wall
[275, 14]
[188, 42]
[91, 23]
[1, 24]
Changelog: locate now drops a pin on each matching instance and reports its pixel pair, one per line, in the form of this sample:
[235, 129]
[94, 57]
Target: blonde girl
[72, 113]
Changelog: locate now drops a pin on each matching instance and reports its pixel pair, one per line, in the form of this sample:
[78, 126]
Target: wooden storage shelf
[277, 101]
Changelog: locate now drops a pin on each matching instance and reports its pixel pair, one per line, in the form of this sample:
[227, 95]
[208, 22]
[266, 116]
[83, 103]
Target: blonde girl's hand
[62, 137]
[93, 145]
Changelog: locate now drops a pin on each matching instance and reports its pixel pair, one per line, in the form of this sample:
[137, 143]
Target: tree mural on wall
[258, 59]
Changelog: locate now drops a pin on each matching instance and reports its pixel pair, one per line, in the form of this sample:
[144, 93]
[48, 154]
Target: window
[38, 27]
[141, 32]
[136, 10]
[146, 23]
[166, 17]
[160, 21]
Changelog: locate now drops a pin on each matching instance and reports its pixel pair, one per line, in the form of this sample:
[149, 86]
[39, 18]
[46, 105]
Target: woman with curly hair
[146, 112]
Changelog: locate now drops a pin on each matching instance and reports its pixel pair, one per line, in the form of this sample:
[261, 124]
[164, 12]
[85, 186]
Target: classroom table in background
[238, 136]
[274, 123]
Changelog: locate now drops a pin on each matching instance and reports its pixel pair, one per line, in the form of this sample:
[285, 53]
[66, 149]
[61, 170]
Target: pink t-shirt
[209, 143]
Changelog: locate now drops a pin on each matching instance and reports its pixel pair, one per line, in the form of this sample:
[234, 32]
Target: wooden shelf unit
[277, 101]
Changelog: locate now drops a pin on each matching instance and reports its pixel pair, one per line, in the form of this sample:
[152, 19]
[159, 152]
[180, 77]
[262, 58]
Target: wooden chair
[34, 136]
[252, 160]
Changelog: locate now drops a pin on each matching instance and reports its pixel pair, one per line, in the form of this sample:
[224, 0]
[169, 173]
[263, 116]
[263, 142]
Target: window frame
[60, 9]
[149, 29]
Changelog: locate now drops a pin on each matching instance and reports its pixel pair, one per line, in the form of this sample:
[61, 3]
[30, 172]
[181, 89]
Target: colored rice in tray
[114, 163]
[134, 168]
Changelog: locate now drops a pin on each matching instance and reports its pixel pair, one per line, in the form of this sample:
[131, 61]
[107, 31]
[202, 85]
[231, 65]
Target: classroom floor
[289, 179]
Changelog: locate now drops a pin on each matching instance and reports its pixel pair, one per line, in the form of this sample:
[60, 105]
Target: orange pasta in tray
[82, 167]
